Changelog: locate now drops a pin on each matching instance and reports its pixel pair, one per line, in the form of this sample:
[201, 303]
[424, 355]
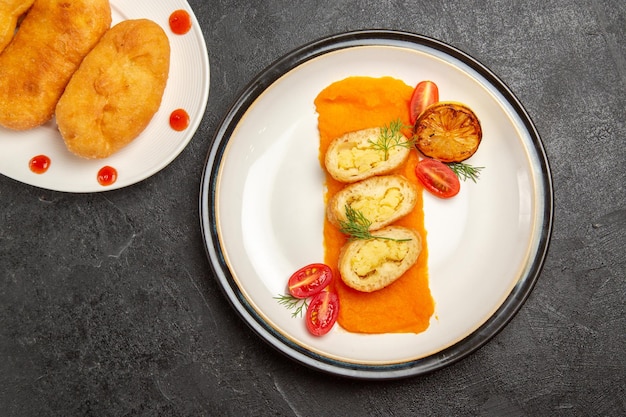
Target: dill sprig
[465, 171]
[290, 302]
[390, 137]
[356, 226]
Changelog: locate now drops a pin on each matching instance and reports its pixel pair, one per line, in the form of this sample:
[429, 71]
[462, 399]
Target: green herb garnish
[391, 137]
[465, 171]
[357, 226]
[290, 302]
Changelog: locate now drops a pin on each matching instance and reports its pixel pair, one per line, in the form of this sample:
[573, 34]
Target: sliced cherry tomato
[322, 313]
[310, 280]
[438, 178]
[425, 94]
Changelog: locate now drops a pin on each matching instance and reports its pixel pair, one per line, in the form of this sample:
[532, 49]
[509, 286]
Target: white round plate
[262, 206]
[187, 87]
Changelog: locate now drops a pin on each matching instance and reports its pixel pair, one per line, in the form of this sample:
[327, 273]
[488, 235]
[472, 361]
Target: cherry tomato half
[425, 94]
[438, 178]
[322, 313]
[310, 280]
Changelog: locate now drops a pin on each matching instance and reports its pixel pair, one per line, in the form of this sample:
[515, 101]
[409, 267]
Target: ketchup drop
[107, 175]
[180, 22]
[39, 164]
[179, 120]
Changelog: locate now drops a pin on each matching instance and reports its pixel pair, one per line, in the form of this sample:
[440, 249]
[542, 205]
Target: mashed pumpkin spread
[406, 305]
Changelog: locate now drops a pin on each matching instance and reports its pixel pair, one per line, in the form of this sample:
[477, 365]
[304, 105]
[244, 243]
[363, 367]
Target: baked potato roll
[116, 91]
[50, 44]
[358, 155]
[381, 199]
[372, 264]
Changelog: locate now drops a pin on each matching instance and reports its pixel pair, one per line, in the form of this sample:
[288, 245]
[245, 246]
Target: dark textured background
[108, 306]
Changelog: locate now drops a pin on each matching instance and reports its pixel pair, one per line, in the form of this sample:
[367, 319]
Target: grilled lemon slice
[448, 131]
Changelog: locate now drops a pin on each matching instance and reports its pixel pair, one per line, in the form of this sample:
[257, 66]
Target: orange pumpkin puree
[406, 305]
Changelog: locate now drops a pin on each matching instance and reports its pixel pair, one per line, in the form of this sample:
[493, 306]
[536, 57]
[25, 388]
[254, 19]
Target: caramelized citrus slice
[448, 131]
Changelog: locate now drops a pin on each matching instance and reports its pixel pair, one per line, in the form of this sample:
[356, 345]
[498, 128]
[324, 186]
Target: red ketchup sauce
[39, 164]
[179, 120]
[180, 22]
[107, 175]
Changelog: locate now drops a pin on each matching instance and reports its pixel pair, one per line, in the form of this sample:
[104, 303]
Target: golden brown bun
[116, 91]
[381, 199]
[10, 12]
[370, 265]
[352, 157]
[35, 67]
